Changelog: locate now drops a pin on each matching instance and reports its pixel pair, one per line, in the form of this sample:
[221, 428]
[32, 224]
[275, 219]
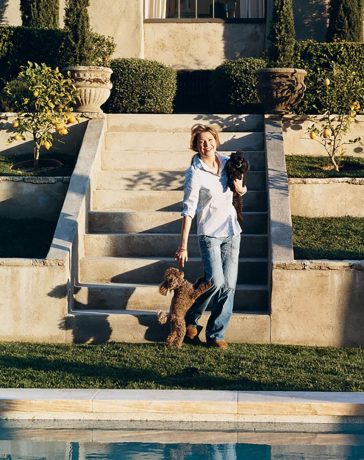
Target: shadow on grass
[71, 374]
[335, 254]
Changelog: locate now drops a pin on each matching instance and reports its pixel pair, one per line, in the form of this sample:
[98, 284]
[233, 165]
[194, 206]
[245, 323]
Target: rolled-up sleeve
[191, 193]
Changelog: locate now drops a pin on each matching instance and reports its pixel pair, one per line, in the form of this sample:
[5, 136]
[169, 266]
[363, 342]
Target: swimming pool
[108, 441]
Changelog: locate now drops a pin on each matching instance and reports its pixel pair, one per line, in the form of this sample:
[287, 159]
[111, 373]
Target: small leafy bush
[345, 20]
[141, 86]
[234, 85]
[40, 13]
[282, 34]
[82, 46]
[331, 126]
[320, 59]
[43, 99]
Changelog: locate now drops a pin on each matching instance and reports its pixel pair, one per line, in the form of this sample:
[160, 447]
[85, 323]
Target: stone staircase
[134, 218]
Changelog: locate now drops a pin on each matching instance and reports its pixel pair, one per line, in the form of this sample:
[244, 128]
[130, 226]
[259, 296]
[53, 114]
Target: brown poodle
[184, 295]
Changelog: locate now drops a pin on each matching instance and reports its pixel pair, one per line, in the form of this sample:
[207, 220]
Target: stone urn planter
[280, 89]
[93, 85]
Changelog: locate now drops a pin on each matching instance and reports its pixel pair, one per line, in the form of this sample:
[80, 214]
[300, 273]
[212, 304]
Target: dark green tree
[79, 38]
[282, 34]
[345, 21]
[43, 14]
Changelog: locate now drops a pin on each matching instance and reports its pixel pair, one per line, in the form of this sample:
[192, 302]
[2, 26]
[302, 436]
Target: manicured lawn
[241, 367]
[328, 238]
[305, 166]
[29, 238]
[66, 170]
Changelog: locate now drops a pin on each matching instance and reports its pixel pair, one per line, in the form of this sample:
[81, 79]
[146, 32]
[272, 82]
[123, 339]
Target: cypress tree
[282, 34]
[42, 14]
[77, 26]
[345, 21]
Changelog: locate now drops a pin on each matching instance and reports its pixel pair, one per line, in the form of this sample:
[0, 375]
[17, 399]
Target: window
[196, 9]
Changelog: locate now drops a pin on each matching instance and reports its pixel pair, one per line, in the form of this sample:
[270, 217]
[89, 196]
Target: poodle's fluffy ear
[163, 289]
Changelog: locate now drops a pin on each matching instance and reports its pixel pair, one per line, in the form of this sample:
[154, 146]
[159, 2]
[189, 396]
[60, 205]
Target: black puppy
[237, 167]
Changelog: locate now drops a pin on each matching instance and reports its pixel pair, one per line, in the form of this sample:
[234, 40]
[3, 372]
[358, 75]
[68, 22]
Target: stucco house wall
[185, 44]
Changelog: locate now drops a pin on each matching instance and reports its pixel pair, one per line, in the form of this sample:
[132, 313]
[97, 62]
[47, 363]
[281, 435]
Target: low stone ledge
[328, 180]
[17, 262]
[323, 264]
[178, 405]
[36, 180]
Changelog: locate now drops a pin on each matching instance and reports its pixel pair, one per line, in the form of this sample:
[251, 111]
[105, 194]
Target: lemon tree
[43, 99]
[331, 128]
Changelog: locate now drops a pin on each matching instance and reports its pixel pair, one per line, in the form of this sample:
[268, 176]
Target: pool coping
[181, 405]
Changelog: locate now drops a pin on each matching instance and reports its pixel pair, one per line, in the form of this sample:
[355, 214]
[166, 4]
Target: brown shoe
[192, 333]
[220, 343]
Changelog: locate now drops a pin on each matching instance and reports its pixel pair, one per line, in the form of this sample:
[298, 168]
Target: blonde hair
[197, 129]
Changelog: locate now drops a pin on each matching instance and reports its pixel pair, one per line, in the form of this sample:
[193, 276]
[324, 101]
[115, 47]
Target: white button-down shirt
[208, 195]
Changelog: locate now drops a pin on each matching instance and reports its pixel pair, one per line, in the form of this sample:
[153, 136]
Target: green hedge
[234, 86]
[18, 45]
[319, 60]
[141, 86]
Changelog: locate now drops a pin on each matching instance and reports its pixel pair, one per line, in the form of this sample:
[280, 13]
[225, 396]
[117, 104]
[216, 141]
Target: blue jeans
[220, 257]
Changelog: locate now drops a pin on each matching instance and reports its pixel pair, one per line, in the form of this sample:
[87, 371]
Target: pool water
[67, 443]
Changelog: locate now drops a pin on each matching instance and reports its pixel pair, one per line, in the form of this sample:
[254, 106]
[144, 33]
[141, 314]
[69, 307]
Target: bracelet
[182, 249]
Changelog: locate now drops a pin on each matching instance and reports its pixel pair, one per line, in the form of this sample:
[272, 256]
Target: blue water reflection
[68, 444]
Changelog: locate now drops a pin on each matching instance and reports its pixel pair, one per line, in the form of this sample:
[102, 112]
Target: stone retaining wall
[37, 293]
[318, 303]
[32, 197]
[327, 197]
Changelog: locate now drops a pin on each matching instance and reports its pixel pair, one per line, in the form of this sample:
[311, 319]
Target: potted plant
[281, 85]
[43, 99]
[87, 55]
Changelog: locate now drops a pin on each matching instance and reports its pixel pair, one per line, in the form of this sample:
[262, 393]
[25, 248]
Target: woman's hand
[181, 256]
[239, 187]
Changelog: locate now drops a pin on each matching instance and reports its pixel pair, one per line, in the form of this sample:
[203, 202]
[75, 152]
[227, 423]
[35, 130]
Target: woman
[206, 194]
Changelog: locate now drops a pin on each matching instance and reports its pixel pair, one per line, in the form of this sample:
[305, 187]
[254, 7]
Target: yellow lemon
[313, 135]
[18, 137]
[15, 123]
[63, 131]
[36, 93]
[47, 145]
[71, 119]
[327, 82]
[326, 133]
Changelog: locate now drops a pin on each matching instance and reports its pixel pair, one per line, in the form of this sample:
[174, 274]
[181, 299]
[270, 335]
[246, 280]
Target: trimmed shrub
[234, 86]
[345, 21]
[320, 59]
[18, 45]
[282, 35]
[40, 13]
[141, 86]
[77, 26]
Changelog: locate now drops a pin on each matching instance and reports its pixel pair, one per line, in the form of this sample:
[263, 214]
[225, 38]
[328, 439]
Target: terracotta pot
[93, 85]
[280, 89]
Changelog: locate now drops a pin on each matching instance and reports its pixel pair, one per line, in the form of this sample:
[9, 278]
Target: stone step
[140, 327]
[160, 245]
[143, 200]
[147, 297]
[160, 180]
[172, 141]
[165, 123]
[165, 160]
[151, 270]
[160, 222]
